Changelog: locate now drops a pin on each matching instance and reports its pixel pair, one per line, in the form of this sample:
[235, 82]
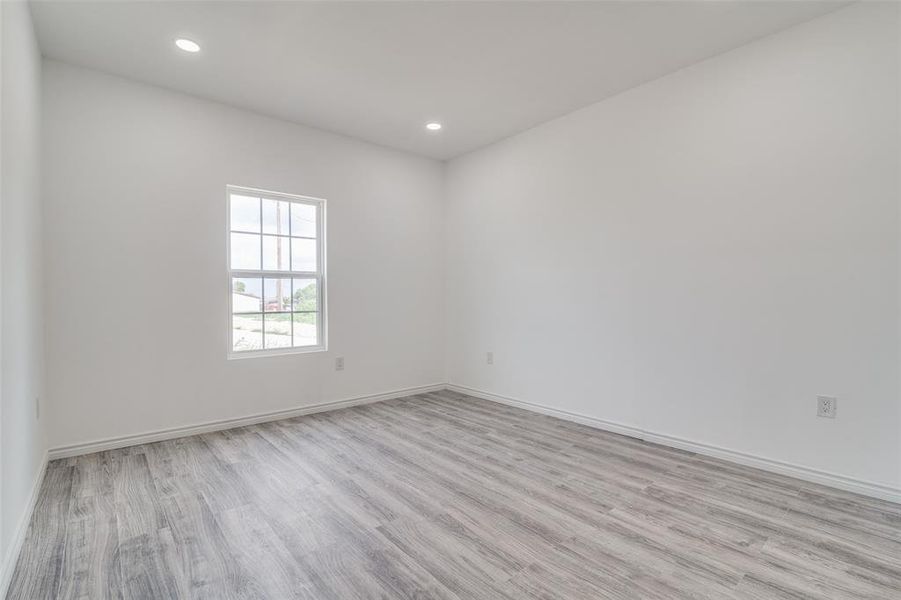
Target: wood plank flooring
[450, 497]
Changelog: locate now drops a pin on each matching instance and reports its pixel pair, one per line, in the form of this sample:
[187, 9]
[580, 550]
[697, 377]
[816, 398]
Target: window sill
[275, 352]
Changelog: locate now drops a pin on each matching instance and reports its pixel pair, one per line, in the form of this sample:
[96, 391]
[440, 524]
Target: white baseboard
[849, 484]
[835, 480]
[15, 545]
[209, 426]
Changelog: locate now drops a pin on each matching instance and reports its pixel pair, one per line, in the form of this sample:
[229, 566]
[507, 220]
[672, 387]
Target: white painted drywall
[698, 257]
[22, 440]
[702, 255]
[136, 276]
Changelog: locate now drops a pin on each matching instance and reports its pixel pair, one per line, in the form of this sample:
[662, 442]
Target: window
[276, 273]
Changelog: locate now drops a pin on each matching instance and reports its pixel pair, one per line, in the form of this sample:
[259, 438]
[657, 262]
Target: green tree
[305, 298]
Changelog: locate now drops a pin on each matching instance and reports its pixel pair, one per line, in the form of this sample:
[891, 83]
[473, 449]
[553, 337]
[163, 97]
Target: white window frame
[318, 275]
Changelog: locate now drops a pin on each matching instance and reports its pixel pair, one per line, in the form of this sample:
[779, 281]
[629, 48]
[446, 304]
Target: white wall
[698, 257]
[701, 256]
[21, 314]
[136, 282]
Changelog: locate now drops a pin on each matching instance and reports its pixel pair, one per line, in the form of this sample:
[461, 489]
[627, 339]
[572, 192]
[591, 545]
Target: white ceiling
[380, 70]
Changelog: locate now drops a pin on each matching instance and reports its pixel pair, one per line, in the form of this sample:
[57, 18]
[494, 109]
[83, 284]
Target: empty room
[450, 300]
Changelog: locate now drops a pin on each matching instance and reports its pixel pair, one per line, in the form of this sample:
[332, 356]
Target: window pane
[278, 330]
[305, 297]
[277, 294]
[303, 255]
[245, 251]
[245, 213]
[247, 332]
[305, 330]
[303, 220]
[275, 217]
[247, 294]
[275, 253]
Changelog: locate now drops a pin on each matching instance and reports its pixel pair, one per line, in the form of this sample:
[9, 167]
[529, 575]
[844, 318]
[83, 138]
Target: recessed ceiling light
[187, 45]
[433, 126]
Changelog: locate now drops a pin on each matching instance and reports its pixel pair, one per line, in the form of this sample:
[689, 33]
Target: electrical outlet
[339, 363]
[489, 358]
[826, 406]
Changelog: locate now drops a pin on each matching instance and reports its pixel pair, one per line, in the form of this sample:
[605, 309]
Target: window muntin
[276, 273]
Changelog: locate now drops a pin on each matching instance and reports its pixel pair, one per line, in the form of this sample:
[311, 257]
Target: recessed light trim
[433, 126]
[187, 45]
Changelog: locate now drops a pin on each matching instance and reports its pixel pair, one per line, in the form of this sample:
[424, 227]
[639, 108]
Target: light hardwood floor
[444, 496]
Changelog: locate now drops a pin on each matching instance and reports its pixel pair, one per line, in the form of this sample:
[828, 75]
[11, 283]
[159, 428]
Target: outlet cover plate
[826, 406]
